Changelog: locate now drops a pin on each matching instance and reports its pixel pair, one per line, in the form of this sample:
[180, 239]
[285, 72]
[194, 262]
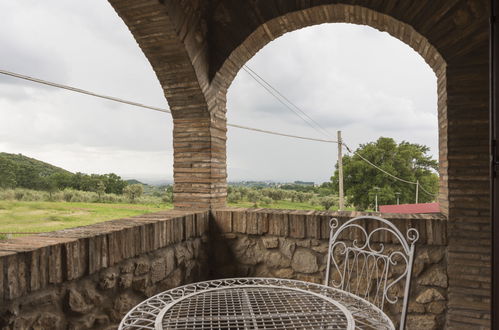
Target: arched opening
[346, 77]
[340, 13]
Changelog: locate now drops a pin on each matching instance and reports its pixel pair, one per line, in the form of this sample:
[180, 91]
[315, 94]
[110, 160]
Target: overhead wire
[264, 84]
[119, 100]
[424, 190]
[81, 91]
[377, 167]
[273, 91]
[318, 127]
[281, 134]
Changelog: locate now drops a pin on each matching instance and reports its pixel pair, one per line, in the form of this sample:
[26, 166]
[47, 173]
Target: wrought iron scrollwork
[368, 267]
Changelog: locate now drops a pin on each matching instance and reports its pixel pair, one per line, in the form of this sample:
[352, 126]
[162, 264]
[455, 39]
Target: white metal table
[255, 303]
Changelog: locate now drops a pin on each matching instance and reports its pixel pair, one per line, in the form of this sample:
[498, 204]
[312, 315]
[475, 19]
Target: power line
[116, 99]
[269, 89]
[281, 101]
[81, 91]
[424, 190]
[281, 134]
[379, 168]
[280, 97]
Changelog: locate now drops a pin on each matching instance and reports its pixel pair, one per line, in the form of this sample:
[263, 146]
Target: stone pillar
[199, 166]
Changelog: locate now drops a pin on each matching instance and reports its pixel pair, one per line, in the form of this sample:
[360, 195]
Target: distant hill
[19, 171]
[24, 162]
[133, 181]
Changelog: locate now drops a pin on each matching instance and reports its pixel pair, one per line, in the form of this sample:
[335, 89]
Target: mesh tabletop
[255, 303]
[243, 307]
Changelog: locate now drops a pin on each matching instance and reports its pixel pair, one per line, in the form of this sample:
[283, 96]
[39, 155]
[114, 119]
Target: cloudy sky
[346, 77]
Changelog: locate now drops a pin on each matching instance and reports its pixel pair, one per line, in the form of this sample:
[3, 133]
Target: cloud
[346, 77]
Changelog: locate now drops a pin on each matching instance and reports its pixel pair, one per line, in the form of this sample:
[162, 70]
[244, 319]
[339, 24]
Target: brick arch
[454, 43]
[173, 37]
[344, 13]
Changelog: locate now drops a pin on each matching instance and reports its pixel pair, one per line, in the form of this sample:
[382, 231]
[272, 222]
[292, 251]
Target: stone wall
[293, 244]
[89, 277]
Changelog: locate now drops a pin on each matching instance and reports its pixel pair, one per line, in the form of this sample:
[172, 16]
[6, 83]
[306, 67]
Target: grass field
[280, 205]
[16, 216]
[49, 216]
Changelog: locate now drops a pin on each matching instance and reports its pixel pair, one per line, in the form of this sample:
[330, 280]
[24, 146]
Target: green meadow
[20, 216]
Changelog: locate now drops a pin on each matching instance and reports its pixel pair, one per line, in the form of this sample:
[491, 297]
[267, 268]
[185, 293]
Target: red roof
[411, 208]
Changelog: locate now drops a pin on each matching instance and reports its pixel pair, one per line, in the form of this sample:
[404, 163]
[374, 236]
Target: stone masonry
[89, 277]
[294, 244]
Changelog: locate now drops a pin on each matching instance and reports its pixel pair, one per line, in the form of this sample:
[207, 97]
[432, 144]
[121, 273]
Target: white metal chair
[361, 263]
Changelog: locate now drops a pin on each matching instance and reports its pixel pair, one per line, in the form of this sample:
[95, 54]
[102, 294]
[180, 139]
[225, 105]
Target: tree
[114, 184]
[327, 202]
[405, 160]
[48, 184]
[7, 173]
[133, 191]
[62, 180]
[100, 189]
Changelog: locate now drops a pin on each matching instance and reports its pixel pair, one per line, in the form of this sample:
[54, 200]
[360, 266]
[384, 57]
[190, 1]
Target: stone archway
[196, 48]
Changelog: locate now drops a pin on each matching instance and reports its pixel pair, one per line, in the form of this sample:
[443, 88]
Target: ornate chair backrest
[360, 263]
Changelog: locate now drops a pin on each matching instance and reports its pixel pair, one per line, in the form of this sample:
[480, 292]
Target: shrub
[18, 194]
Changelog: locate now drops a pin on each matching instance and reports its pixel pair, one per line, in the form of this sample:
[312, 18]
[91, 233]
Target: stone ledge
[33, 262]
[432, 228]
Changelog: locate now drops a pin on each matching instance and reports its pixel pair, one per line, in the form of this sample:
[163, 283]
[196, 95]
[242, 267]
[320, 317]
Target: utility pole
[417, 190]
[340, 172]
[398, 197]
[376, 189]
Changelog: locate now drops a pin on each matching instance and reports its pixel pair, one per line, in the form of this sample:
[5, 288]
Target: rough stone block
[142, 266]
[275, 259]
[287, 247]
[252, 222]
[202, 223]
[304, 261]
[270, 242]
[313, 227]
[263, 223]
[239, 222]
[77, 303]
[190, 226]
[222, 220]
[435, 276]
[48, 320]
[284, 273]
[108, 278]
[278, 224]
[125, 281]
[436, 307]
[418, 322]
[170, 265]
[429, 295]
[55, 264]
[158, 270]
[297, 225]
